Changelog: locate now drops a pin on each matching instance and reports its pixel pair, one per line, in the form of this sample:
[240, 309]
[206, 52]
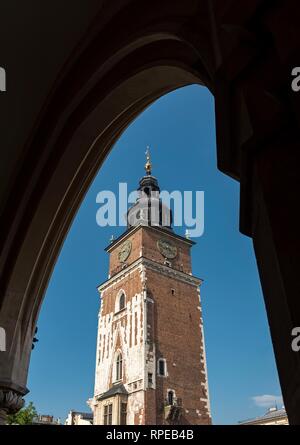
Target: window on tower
[107, 417]
[170, 397]
[122, 302]
[123, 413]
[119, 367]
[162, 367]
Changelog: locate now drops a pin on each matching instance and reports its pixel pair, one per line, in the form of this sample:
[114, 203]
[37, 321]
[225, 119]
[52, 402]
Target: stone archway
[133, 53]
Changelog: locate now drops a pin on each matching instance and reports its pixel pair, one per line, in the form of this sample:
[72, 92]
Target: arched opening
[92, 101]
[122, 302]
[178, 168]
[170, 397]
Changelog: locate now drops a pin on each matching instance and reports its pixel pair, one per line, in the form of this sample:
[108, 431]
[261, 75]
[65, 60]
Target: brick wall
[170, 329]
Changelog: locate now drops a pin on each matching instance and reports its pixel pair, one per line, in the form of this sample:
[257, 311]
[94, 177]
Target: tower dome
[149, 209]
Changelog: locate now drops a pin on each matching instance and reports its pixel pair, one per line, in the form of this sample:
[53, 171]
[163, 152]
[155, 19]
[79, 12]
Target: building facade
[79, 418]
[150, 361]
[273, 416]
[46, 419]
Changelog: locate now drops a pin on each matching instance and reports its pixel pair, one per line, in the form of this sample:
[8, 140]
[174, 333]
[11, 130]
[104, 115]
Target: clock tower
[150, 359]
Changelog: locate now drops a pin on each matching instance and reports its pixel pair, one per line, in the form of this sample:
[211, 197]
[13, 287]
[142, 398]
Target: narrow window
[123, 416]
[107, 418]
[173, 291]
[122, 302]
[119, 367]
[161, 367]
[150, 378]
[105, 415]
[110, 414]
[170, 398]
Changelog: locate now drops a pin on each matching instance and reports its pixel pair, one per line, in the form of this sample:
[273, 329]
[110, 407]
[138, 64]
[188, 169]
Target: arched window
[121, 302]
[170, 397]
[119, 367]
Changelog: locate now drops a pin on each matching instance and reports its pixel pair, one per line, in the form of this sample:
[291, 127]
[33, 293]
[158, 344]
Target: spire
[148, 165]
[149, 209]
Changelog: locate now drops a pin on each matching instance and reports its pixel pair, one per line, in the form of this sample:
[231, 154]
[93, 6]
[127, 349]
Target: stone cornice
[152, 265]
[170, 272]
[161, 230]
[121, 274]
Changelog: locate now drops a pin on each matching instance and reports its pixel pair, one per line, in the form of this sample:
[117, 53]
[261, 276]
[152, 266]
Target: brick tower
[150, 361]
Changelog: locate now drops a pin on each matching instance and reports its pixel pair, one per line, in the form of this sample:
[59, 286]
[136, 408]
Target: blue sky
[180, 129]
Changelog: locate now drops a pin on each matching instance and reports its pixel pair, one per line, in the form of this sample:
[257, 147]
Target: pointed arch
[119, 366]
[170, 397]
[120, 302]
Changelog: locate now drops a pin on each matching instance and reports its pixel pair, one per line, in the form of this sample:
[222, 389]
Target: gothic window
[170, 397]
[123, 414]
[121, 302]
[162, 367]
[107, 418]
[119, 367]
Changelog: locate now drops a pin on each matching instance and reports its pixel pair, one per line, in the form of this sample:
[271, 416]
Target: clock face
[167, 249]
[124, 251]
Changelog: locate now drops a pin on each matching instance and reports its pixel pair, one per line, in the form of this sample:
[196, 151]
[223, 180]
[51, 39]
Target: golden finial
[148, 164]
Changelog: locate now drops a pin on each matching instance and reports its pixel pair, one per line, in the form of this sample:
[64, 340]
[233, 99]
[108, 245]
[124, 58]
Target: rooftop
[272, 413]
[116, 389]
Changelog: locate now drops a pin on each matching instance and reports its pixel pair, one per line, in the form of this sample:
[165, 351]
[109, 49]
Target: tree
[23, 417]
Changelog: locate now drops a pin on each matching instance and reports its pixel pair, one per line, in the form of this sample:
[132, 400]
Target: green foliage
[24, 417]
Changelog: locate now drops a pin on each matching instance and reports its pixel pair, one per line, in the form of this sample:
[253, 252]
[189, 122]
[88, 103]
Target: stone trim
[156, 267]
[134, 229]
[173, 273]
